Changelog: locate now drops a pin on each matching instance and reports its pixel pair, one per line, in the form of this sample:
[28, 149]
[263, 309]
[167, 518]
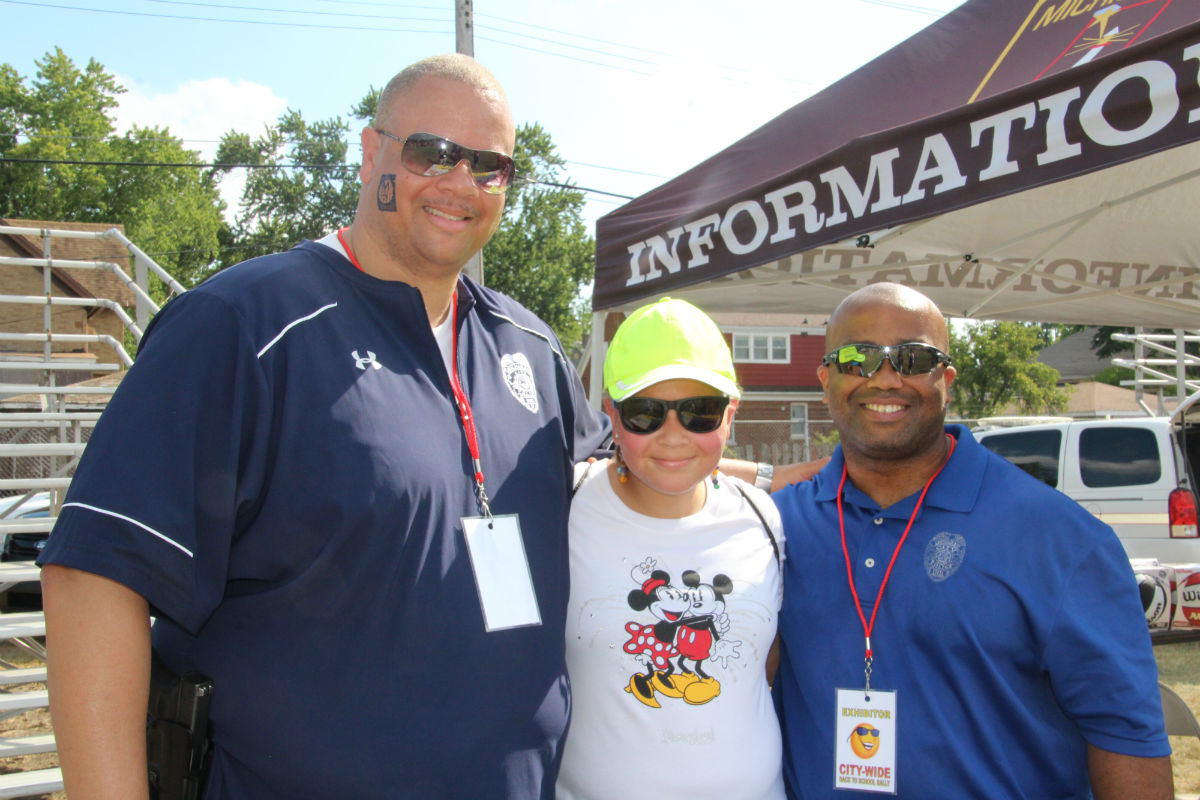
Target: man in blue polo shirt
[951, 627]
[339, 478]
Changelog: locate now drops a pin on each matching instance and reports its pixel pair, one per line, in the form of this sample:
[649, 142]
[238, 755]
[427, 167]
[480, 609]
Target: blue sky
[633, 92]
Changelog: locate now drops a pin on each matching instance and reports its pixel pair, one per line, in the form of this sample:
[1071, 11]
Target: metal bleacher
[53, 385]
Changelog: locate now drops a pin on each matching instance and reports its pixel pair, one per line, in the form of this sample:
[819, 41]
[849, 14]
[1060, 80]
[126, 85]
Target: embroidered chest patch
[518, 377]
[944, 555]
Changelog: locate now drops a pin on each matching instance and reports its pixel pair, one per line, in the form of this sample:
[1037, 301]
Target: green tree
[542, 255]
[64, 114]
[1051, 332]
[1114, 375]
[281, 204]
[996, 366]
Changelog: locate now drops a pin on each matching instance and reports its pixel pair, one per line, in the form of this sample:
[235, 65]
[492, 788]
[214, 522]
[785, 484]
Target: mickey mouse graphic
[691, 626]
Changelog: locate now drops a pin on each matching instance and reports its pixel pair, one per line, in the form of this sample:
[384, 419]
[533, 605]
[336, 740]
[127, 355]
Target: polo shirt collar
[956, 488]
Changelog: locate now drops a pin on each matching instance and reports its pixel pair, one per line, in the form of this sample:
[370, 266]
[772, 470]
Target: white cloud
[201, 111]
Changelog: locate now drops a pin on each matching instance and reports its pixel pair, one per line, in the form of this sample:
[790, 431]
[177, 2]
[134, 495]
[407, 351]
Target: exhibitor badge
[865, 741]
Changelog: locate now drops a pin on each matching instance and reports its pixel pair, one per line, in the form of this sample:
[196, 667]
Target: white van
[1136, 474]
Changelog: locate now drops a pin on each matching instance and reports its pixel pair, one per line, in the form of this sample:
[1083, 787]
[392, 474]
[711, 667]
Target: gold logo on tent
[1080, 31]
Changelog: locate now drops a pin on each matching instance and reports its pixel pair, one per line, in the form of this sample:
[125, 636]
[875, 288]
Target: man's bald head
[450, 67]
[892, 297]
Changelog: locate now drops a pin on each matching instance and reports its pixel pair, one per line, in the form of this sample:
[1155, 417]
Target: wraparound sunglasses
[429, 156]
[910, 358]
[696, 414]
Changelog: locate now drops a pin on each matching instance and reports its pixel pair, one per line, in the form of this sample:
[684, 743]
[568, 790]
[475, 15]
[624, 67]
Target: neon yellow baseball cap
[667, 340]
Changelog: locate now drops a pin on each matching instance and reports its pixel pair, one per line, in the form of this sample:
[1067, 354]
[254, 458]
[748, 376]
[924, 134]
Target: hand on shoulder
[797, 472]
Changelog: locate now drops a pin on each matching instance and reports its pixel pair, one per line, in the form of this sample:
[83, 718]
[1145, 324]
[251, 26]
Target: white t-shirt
[668, 629]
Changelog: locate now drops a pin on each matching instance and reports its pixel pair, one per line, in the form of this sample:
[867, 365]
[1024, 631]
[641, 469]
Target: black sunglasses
[911, 358]
[862, 731]
[696, 414]
[428, 155]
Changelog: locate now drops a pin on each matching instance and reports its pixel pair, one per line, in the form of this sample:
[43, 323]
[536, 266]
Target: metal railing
[143, 265]
[1160, 361]
[49, 395]
[51, 400]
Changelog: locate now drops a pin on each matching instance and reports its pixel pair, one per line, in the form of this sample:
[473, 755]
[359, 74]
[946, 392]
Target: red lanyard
[464, 411]
[460, 397]
[349, 252]
[869, 627]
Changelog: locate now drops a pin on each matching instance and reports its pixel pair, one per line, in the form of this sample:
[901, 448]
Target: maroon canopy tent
[1015, 160]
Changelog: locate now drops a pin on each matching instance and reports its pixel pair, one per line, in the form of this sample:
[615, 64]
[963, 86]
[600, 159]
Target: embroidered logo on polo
[944, 555]
[518, 377]
[362, 362]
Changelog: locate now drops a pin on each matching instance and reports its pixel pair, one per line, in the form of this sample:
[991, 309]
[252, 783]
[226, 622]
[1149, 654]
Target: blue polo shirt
[282, 475]
[1011, 630]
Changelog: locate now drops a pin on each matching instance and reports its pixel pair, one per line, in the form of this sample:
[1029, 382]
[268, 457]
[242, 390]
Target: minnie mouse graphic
[691, 625]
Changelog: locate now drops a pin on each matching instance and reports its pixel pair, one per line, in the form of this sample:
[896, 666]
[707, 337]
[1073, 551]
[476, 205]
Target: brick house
[65, 282]
[782, 417]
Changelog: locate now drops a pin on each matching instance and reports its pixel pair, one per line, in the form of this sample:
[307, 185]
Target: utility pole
[464, 39]
[464, 28]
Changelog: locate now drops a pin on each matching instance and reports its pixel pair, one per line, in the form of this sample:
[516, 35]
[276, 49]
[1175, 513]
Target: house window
[799, 420]
[762, 348]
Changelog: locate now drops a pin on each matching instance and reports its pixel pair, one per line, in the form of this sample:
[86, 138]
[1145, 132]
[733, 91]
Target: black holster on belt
[178, 739]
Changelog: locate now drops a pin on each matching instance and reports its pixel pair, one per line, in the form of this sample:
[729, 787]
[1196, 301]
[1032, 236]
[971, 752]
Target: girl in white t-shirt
[675, 582]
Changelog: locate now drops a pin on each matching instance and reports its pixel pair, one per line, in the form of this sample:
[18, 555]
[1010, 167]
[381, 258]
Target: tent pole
[596, 377]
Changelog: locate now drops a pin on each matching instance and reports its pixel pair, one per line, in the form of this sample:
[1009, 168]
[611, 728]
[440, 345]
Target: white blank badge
[865, 741]
[501, 572]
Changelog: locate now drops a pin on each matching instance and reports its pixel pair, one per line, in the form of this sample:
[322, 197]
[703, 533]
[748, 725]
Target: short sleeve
[1099, 656]
[175, 461]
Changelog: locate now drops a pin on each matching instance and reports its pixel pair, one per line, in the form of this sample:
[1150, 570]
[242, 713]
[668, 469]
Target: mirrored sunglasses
[696, 414]
[429, 156]
[911, 358]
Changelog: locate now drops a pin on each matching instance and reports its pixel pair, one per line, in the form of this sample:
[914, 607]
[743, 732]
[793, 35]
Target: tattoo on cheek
[386, 196]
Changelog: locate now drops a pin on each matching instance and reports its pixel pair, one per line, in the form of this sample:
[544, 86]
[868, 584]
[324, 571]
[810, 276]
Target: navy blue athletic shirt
[282, 475]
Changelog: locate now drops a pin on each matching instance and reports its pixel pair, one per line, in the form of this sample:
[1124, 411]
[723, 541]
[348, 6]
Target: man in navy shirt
[951, 627]
[338, 477]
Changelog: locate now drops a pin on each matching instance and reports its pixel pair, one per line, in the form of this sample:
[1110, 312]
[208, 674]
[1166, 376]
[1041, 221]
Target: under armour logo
[363, 362]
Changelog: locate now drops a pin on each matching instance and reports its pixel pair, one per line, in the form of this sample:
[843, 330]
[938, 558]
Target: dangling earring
[622, 470]
[714, 480]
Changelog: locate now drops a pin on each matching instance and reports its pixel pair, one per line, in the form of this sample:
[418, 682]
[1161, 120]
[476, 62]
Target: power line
[581, 189]
[561, 33]
[616, 169]
[548, 53]
[340, 14]
[439, 20]
[559, 42]
[193, 165]
[32, 136]
[183, 164]
[384, 5]
[933, 12]
[568, 33]
[321, 25]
